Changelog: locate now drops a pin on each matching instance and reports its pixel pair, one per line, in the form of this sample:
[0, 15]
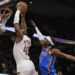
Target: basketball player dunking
[24, 65]
[48, 54]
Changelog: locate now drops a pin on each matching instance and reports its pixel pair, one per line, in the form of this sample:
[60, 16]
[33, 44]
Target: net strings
[3, 20]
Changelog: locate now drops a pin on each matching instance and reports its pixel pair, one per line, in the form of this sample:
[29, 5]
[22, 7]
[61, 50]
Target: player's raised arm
[40, 35]
[23, 22]
[16, 24]
[44, 41]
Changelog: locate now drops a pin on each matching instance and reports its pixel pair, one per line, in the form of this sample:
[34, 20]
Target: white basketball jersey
[20, 50]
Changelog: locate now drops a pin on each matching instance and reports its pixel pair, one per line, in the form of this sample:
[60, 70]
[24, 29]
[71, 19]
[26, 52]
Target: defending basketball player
[46, 61]
[48, 55]
[22, 44]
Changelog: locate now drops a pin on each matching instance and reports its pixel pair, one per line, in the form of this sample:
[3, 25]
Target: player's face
[44, 43]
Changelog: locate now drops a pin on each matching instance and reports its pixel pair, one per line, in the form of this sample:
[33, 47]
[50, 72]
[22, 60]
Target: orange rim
[8, 9]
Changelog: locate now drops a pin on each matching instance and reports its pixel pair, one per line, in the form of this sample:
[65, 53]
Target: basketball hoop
[4, 16]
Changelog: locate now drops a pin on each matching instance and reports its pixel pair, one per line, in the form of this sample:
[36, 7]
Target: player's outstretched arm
[16, 24]
[23, 22]
[67, 56]
[57, 52]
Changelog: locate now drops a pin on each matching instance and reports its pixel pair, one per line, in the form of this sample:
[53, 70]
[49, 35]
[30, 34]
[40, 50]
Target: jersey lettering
[27, 44]
[43, 53]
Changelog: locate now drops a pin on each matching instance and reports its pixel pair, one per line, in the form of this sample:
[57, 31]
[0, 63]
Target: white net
[4, 16]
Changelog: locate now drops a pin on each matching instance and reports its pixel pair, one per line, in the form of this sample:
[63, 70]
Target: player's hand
[54, 52]
[33, 23]
[18, 8]
[21, 9]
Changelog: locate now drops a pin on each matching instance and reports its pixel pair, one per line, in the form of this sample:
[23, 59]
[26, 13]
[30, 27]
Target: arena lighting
[3, 74]
[4, 1]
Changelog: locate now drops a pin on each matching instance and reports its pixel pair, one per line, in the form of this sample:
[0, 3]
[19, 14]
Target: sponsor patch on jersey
[44, 53]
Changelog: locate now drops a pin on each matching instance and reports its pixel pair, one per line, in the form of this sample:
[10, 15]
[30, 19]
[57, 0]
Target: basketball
[22, 6]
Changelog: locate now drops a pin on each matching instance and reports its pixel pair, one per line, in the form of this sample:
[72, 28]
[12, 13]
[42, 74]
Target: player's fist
[22, 6]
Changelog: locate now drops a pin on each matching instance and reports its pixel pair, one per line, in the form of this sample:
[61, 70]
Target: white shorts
[26, 67]
[24, 73]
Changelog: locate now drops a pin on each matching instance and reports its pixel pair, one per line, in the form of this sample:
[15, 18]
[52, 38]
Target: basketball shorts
[26, 67]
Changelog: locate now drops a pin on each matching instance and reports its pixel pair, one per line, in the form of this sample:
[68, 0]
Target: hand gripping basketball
[22, 6]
